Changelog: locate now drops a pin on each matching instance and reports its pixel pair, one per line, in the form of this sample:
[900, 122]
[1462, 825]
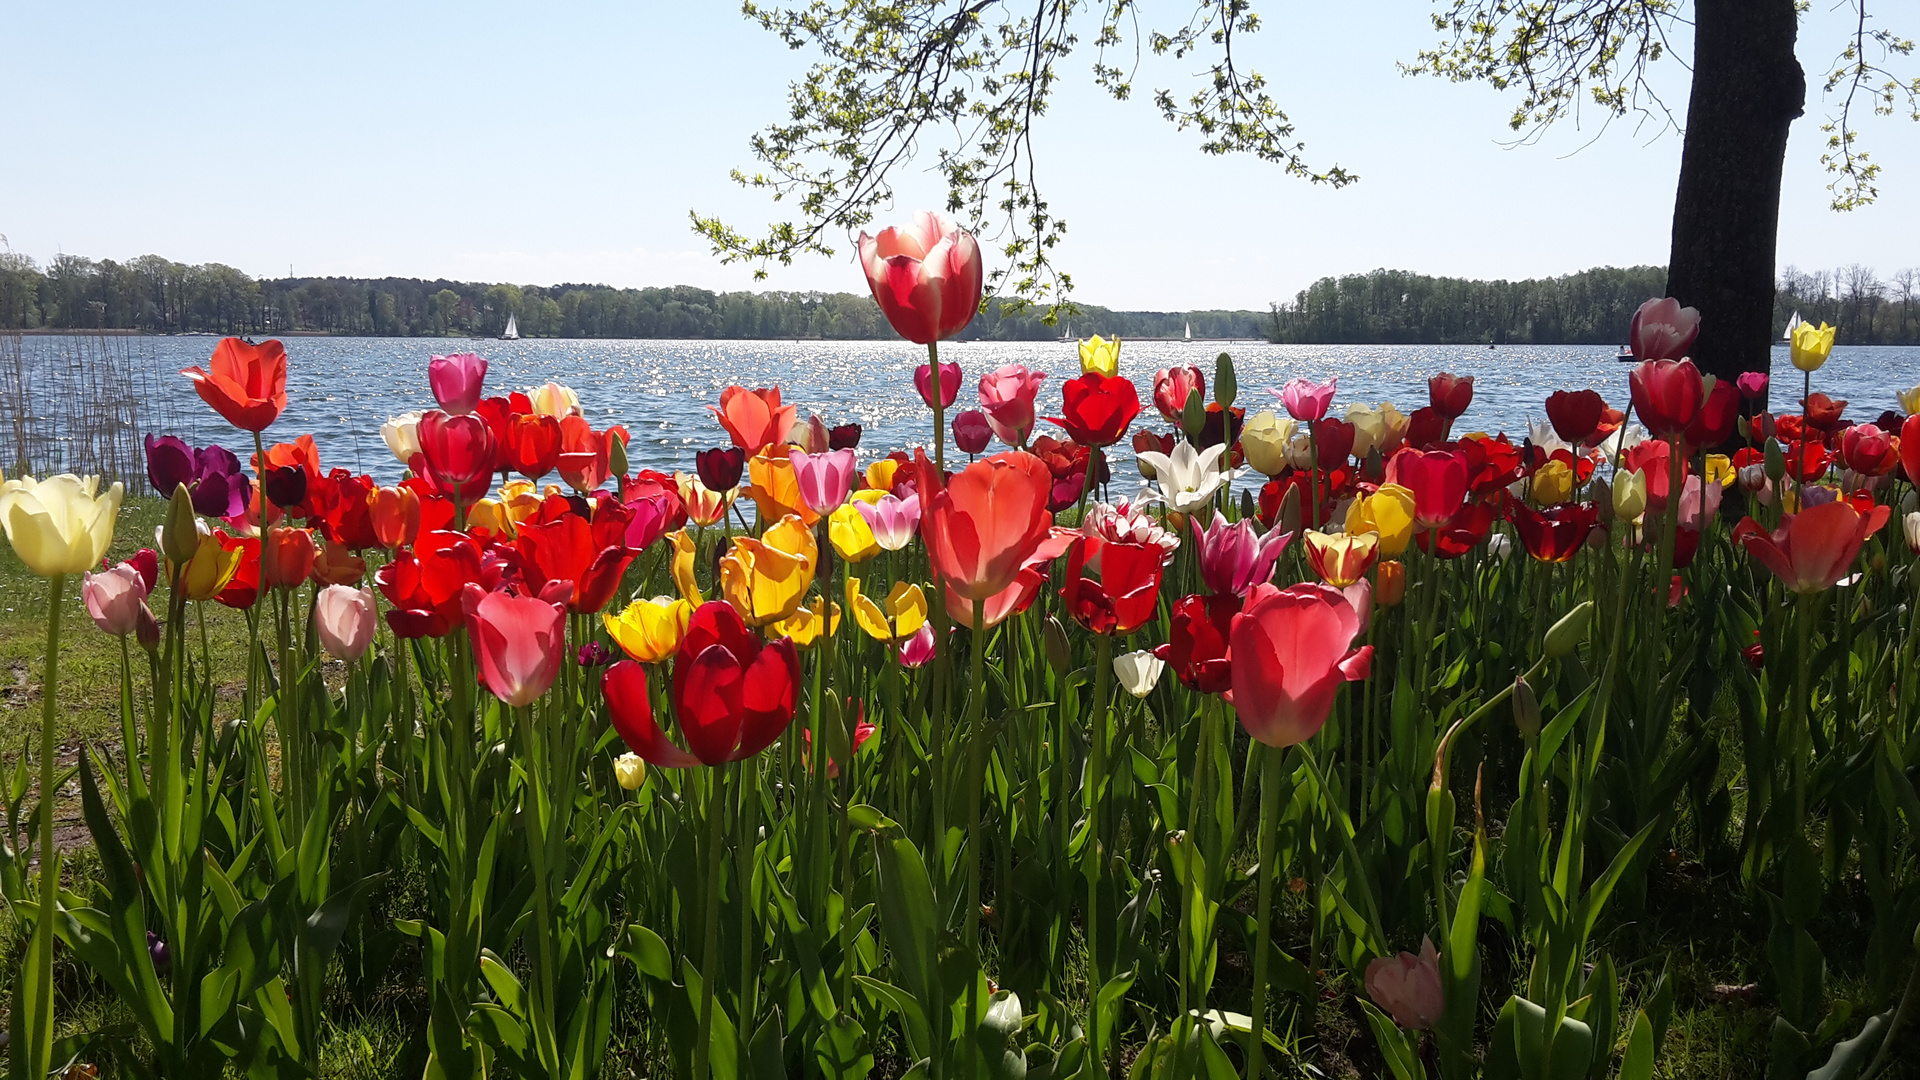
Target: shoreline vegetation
[151, 294]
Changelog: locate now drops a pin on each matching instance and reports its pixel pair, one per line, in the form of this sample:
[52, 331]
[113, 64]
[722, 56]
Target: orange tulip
[248, 383]
[336, 565]
[396, 515]
[775, 488]
[981, 529]
[286, 558]
[755, 418]
[1814, 549]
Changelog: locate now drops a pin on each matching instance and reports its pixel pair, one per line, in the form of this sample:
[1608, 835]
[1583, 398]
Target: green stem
[976, 756]
[1344, 828]
[1096, 778]
[939, 407]
[1271, 777]
[702, 1049]
[34, 1057]
[1802, 705]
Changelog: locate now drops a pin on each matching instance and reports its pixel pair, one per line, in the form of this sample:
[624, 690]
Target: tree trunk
[1747, 90]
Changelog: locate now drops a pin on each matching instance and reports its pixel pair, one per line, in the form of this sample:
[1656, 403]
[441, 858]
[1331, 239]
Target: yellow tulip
[492, 515]
[59, 525]
[805, 625]
[1553, 483]
[211, 568]
[904, 613]
[1629, 495]
[1264, 440]
[682, 567]
[1910, 401]
[649, 630]
[880, 474]
[1810, 347]
[1100, 356]
[765, 579]
[1387, 512]
[775, 490]
[630, 770]
[522, 500]
[1719, 470]
[705, 506]
[850, 534]
[1383, 428]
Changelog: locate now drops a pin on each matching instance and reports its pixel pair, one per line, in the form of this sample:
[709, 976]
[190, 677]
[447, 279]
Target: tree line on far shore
[157, 295]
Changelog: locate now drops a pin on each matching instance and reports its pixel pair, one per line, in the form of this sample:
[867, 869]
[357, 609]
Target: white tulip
[402, 434]
[1188, 478]
[1138, 672]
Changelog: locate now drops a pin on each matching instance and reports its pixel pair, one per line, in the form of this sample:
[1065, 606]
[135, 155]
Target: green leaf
[1396, 1047]
[648, 954]
[840, 1052]
[998, 1037]
[1849, 1056]
[910, 920]
[1225, 386]
[1637, 1062]
[769, 1049]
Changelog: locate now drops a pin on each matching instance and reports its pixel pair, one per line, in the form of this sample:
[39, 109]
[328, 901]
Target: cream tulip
[1138, 671]
[59, 525]
[1264, 441]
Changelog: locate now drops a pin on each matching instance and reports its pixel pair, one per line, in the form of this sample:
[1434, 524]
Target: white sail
[1792, 325]
[1189, 332]
[512, 332]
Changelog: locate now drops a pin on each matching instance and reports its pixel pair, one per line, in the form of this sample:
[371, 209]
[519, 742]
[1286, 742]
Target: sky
[568, 141]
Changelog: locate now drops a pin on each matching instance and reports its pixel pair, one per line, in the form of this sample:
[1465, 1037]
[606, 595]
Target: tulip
[344, 618]
[248, 383]
[807, 624]
[532, 444]
[629, 771]
[1715, 422]
[1292, 652]
[926, 276]
[1188, 478]
[211, 475]
[212, 566]
[1106, 523]
[918, 649]
[334, 564]
[813, 436]
[586, 456]
[1172, 387]
[892, 520]
[1667, 394]
[704, 505]
[424, 585]
[862, 731]
[1499, 546]
[949, 384]
[775, 488]
[1388, 513]
[285, 487]
[824, 480]
[1426, 427]
[158, 952]
[720, 467]
[1554, 536]
[1663, 330]
[59, 525]
[458, 381]
[402, 436]
[1265, 440]
[518, 642]
[1126, 594]
[458, 454]
[1407, 986]
[286, 558]
[1575, 414]
[1809, 347]
[1138, 672]
[882, 474]
[242, 590]
[981, 528]
[681, 567]
[1460, 534]
[1101, 356]
[1098, 409]
[591, 555]
[1815, 548]
[1198, 645]
[900, 617]
[1910, 401]
[1233, 558]
[766, 579]
[1821, 412]
[649, 630]
[1910, 528]
[395, 512]
[1753, 385]
[1382, 428]
[972, 431]
[1552, 482]
[843, 437]
[850, 534]
[1390, 584]
[1007, 397]
[1699, 504]
[1341, 560]
[1450, 395]
[1869, 451]
[553, 399]
[1306, 399]
[1437, 479]
[733, 694]
[1629, 495]
[114, 598]
[754, 419]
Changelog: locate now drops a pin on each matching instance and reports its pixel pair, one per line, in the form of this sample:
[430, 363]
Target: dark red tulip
[1667, 394]
[720, 467]
[1553, 536]
[286, 486]
[1223, 425]
[1126, 593]
[1823, 412]
[971, 431]
[1099, 408]
[1450, 395]
[1575, 414]
[1333, 441]
[1719, 414]
[1458, 536]
[1197, 648]
[843, 437]
[1425, 427]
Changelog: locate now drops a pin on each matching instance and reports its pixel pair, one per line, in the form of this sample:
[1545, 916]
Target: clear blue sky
[567, 142]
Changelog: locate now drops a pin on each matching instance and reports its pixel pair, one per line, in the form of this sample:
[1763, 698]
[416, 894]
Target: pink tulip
[1753, 385]
[814, 436]
[114, 598]
[1691, 498]
[972, 431]
[1292, 650]
[925, 276]
[518, 641]
[1234, 558]
[457, 381]
[1007, 396]
[1171, 389]
[918, 649]
[892, 520]
[1305, 399]
[824, 480]
[1663, 330]
[1408, 987]
[949, 384]
[344, 617]
[1814, 549]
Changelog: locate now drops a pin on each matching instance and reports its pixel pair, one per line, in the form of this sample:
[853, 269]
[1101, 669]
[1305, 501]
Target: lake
[342, 389]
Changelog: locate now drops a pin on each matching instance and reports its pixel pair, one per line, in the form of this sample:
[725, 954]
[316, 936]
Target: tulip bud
[180, 535]
[1059, 653]
[1389, 583]
[146, 629]
[1193, 419]
[1910, 528]
[630, 771]
[616, 455]
[1629, 495]
[1526, 710]
[1565, 635]
[1290, 510]
[1776, 461]
[1225, 386]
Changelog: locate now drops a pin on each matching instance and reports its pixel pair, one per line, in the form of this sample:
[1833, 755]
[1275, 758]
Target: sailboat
[1792, 325]
[1189, 336]
[512, 332]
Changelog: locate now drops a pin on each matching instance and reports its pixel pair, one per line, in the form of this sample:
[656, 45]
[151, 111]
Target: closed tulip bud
[1629, 495]
[1601, 493]
[1390, 583]
[1565, 635]
[180, 535]
[344, 617]
[630, 771]
[1910, 526]
[1248, 509]
[1138, 672]
[1193, 418]
[1290, 510]
[1526, 710]
[1776, 461]
[616, 455]
[146, 630]
[1059, 653]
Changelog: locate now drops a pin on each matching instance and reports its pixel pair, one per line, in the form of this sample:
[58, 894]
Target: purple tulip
[594, 654]
[844, 437]
[158, 951]
[212, 475]
[971, 431]
[1233, 558]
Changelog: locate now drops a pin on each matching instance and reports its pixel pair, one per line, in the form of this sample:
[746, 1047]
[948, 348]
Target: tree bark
[1748, 88]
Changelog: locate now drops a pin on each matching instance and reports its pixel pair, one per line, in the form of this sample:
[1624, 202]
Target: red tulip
[926, 276]
[338, 507]
[733, 694]
[423, 586]
[1333, 441]
[395, 514]
[754, 418]
[981, 529]
[1814, 549]
[1492, 464]
[1870, 451]
[1667, 395]
[1715, 421]
[1575, 414]
[1910, 448]
[585, 454]
[1018, 596]
[1653, 459]
[1099, 408]
[248, 383]
[630, 706]
[457, 381]
[499, 412]
[244, 589]
[287, 557]
[1198, 646]
[1450, 395]
[458, 455]
[593, 555]
[1663, 330]
[1438, 480]
[1294, 649]
[518, 642]
[532, 444]
[1807, 460]
[1171, 389]
[1126, 593]
[1460, 534]
[1425, 427]
[1822, 412]
[1554, 536]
